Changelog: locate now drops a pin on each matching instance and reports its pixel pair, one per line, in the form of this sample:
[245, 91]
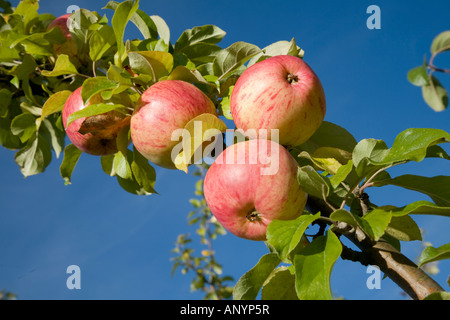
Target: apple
[69, 47]
[281, 92]
[243, 197]
[166, 106]
[97, 134]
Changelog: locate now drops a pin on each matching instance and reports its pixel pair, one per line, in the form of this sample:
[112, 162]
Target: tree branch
[405, 273]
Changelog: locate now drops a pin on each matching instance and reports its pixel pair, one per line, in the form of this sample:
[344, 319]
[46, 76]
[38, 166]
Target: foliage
[334, 168]
[434, 94]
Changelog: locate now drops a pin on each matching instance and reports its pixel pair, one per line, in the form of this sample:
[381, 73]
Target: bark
[404, 272]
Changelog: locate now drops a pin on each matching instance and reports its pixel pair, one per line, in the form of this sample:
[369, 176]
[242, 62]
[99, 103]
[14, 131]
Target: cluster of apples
[279, 93]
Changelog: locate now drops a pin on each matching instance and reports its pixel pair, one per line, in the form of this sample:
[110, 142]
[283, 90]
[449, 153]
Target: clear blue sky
[122, 242]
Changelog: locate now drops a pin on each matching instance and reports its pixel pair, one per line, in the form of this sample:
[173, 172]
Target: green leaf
[330, 135]
[313, 266]
[93, 86]
[95, 109]
[143, 172]
[54, 134]
[312, 182]
[374, 223]
[230, 59]
[280, 285]
[62, 66]
[418, 207]
[5, 100]
[121, 166]
[435, 187]
[156, 64]
[162, 27]
[341, 174]
[100, 42]
[249, 285]
[441, 42]
[403, 228]
[278, 48]
[122, 14]
[55, 103]
[419, 76]
[71, 156]
[285, 236]
[34, 157]
[410, 145]
[435, 95]
[24, 126]
[204, 34]
[430, 254]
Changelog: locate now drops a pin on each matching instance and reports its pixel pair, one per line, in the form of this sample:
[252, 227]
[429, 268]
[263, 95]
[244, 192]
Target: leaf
[55, 103]
[122, 14]
[93, 86]
[280, 285]
[313, 266]
[435, 95]
[143, 172]
[419, 76]
[188, 75]
[24, 126]
[312, 182]
[285, 236]
[410, 145]
[71, 156]
[95, 109]
[249, 285]
[330, 135]
[230, 59]
[430, 254]
[157, 64]
[278, 48]
[34, 157]
[374, 223]
[435, 187]
[62, 66]
[100, 41]
[54, 134]
[162, 27]
[5, 100]
[196, 134]
[441, 42]
[418, 207]
[341, 174]
[403, 228]
[121, 166]
[204, 34]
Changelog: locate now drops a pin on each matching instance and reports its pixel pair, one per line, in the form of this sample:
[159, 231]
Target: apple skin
[166, 106]
[69, 47]
[264, 98]
[235, 189]
[96, 136]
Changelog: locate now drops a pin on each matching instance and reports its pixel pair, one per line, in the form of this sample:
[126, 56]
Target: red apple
[281, 92]
[95, 135]
[166, 106]
[252, 183]
[69, 47]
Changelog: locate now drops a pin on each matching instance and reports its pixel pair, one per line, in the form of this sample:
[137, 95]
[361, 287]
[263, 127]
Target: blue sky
[122, 242]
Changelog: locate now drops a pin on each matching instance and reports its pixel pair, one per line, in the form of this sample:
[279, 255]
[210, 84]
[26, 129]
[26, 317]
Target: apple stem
[291, 78]
[253, 216]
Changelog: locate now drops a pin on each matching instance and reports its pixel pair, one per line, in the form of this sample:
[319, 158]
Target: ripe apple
[95, 135]
[243, 198]
[69, 47]
[281, 92]
[166, 106]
